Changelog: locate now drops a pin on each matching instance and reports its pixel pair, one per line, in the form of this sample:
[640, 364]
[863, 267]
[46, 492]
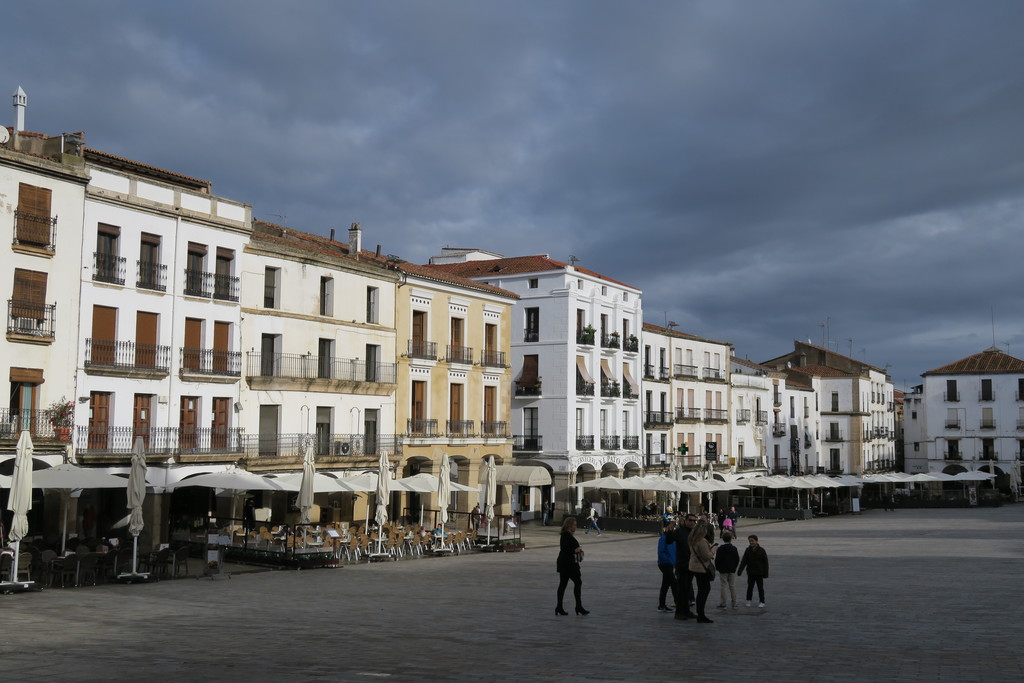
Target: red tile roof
[658, 329]
[819, 371]
[991, 360]
[516, 265]
[751, 364]
[114, 160]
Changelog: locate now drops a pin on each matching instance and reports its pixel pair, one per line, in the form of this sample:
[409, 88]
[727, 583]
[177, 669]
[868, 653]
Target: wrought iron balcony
[610, 389]
[631, 443]
[456, 353]
[149, 275]
[657, 417]
[225, 287]
[493, 359]
[95, 440]
[681, 371]
[198, 283]
[585, 337]
[779, 429]
[459, 429]
[714, 374]
[211, 362]
[762, 417]
[952, 455]
[492, 429]
[126, 355]
[531, 335]
[585, 443]
[38, 423]
[526, 442]
[627, 390]
[716, 415]
[584, 388]
[309, 366]
[325, 445]
[609, 443]
[33, 230]
[31, 319]
[777, 399]
[648, 371]
[610, 341]
[632, 344]
[663, 374]
[108, 268]
[425, 350]
[953, 424]
[832, 436]
[742, 416]
[528, 390]
[422, 428]
[687, 414]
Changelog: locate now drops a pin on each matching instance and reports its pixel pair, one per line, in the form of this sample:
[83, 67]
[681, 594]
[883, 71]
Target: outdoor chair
[179, 561]
[87, 569]
[46, 559]
[69, 570]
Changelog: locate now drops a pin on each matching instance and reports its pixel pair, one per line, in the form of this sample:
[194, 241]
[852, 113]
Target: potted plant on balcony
[62, 417]
[587, 335]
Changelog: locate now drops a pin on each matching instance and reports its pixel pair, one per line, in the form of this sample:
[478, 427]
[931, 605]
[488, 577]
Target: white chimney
[20, 102]
[355, 240]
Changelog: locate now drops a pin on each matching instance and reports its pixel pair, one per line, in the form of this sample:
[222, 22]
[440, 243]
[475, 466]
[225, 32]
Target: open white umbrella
[444, 491]
[136, 496]
[425, 483]
[305, 500]
[490, 491]
[383, 497]
[67, 478]
[20, 500]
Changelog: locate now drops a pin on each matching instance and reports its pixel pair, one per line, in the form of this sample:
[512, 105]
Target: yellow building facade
[453, 384]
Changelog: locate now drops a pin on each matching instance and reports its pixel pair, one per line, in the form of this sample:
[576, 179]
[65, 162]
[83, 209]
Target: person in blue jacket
[667, 565]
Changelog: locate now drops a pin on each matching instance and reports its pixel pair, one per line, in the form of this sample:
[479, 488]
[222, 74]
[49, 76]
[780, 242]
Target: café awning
[581, 365]
[628, 377]
[523, 475]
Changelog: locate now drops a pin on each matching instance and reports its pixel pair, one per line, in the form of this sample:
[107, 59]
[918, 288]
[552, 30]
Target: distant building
[968, 415]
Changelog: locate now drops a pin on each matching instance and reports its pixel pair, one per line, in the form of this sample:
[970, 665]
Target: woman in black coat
[568, 565]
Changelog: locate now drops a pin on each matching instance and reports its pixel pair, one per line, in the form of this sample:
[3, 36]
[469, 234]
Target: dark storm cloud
[755, 167]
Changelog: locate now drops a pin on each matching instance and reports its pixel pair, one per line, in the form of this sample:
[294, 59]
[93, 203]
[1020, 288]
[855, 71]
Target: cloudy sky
[757, 168]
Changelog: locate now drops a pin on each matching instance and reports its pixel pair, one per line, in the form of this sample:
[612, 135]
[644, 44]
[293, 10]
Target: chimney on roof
[355, 240]
[20, 102]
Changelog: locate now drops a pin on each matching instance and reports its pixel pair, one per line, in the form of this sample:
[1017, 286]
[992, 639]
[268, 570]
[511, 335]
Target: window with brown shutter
[33, 222]
[29, 297]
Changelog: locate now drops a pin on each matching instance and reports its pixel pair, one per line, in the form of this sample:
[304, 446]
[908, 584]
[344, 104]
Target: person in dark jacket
[684, 579]
[726, 560]
[755, 561]
[568, 566]
[667, 565]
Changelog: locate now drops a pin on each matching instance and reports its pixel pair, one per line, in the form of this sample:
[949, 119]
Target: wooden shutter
[528, 377]
[104, 334]
[455, 412]
[219, 426]
[490, 403]
[145, 338]
[221, 344]
[193, 343]
[34, 200]
[142, 416]
[419, 392]
[29, 296]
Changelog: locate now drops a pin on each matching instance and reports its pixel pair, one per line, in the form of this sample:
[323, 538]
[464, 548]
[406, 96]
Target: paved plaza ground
[885, 596]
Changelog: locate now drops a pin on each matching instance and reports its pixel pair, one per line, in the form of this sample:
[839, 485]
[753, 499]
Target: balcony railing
[627, 390]
[492, 429]
[952, 396]
[92, 440]
[631, 443]
[211, 362]
[524, 442]
[779, 429]
[742, 416]
[986, 424]
[657, 417]
[198, 283]
[457, 429]
[610, 389]
[456, 353]
[680, 371]
[585, 337]
[309, 366]
[325, 444]
[127, 355]
[584, 388]
[952, 455]
[687, 414]
[37, 422]
[953, 424]
[528, 390]
[714, 374]
[493, 359]
[149, 275]
[716, 415]
[609, 443]
[225, 287]
[531, 335]
[422, 428]
[777, 400]
[762, 417]
[648, 371]
[585, 443]
[31, 319]
[425, 350]
[632, 345]
[32, 230]
[108, 268]
[610, 341]
[833, 436]
[663, 374]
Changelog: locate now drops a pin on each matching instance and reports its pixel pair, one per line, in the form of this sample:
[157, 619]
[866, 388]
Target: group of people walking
[687, 554]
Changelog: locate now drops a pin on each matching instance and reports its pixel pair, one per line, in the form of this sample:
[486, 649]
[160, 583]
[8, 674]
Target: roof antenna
[573, 260]
[672, 324]
[993, 309]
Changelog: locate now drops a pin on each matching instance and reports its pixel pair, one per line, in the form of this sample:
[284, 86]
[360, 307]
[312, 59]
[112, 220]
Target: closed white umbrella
[305, 500]
[444, 491]
[383, 497]
[490, 491]
[20, 499]
[136, 496]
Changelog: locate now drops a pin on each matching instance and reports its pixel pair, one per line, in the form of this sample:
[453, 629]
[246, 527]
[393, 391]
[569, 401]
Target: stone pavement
[885, 596]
